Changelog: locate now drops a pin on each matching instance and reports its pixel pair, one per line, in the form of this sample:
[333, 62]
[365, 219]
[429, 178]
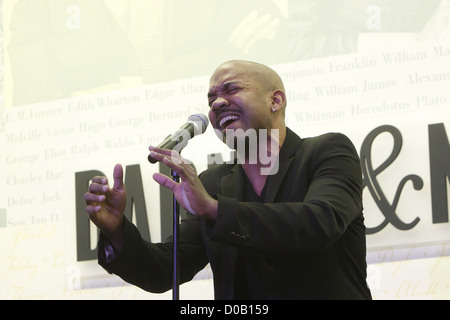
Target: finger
[118, 178]
[98, 188]
[177, 167]
[173, 161]
[91, 209]
[159, 153]
[183, 169]
[163, 151]
[100, 180]
[92, 197]
[165, 181]
[157, 156]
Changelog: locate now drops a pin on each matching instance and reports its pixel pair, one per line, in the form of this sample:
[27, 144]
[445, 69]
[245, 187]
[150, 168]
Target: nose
[219, 103]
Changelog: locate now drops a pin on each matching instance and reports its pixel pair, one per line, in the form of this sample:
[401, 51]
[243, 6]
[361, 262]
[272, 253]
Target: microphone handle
[178, 137]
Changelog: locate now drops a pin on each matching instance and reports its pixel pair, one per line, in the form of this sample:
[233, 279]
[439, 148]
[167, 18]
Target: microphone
[196, 124]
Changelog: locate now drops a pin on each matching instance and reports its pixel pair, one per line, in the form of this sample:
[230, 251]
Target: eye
[233, 90]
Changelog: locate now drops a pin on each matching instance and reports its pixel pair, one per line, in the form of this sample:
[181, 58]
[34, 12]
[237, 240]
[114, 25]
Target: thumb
[118, 178]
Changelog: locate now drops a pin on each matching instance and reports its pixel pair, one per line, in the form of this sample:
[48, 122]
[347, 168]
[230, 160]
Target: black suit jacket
[307, 238]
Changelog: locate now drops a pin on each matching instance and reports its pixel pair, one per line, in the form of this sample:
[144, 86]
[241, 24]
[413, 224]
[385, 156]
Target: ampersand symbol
[370, 180]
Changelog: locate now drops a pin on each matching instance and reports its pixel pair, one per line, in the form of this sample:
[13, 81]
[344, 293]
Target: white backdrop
[91, 84]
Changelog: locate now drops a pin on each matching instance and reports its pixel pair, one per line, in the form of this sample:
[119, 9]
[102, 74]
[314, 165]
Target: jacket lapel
[287, 153]
[232, 185]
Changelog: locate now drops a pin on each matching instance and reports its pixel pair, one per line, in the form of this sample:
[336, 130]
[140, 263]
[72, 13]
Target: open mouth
[228, 120]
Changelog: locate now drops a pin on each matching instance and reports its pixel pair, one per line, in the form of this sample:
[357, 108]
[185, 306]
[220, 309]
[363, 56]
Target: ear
[278, 100]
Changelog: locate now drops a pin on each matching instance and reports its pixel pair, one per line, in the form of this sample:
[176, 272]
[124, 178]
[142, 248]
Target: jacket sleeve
[150, 265]
[324, 197]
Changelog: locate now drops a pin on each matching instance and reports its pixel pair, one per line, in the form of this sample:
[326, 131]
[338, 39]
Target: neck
[255, 177]
[264, 159]
[260, 149]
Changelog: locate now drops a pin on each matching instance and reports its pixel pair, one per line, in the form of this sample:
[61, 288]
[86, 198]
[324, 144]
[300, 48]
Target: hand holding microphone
[189, 192]
[196, 124]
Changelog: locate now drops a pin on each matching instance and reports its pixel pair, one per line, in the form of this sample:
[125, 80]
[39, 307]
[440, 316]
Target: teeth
[227, 118]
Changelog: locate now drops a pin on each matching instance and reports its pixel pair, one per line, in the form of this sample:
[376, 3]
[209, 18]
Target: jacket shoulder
[327, 141]
[328, 137]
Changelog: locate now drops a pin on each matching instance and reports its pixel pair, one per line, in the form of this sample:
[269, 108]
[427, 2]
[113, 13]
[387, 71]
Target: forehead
[246, 72]
[226, 74]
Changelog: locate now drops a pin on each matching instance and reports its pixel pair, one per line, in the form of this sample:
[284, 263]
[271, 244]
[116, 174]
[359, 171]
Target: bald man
[289, 228]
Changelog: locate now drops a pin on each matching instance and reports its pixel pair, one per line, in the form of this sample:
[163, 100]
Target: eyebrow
[224, 87]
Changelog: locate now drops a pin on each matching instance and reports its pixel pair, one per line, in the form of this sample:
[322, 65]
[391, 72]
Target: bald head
[266, 77]
[247, 95]
[263, 74]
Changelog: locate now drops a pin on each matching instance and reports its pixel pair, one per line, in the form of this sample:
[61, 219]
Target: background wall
[88, 84]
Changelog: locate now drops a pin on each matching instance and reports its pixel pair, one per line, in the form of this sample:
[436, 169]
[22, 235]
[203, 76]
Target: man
[296, 232]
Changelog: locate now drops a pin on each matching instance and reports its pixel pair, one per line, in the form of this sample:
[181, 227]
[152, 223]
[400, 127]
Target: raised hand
[189, 192]
[105, 206]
